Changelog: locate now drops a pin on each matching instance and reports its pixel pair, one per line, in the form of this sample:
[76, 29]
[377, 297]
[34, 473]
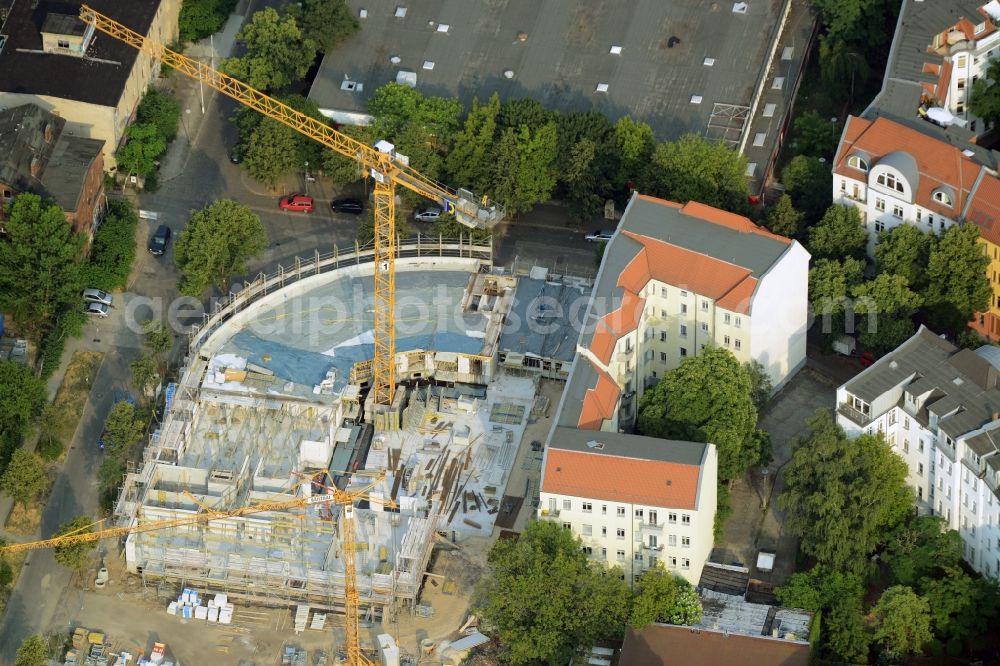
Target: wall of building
[90, 121]
[988, 323]
[969, 62]
[780, 309]
[91, 204]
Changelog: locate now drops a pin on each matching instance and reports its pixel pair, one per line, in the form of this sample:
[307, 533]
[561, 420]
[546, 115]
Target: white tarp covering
[993, 9]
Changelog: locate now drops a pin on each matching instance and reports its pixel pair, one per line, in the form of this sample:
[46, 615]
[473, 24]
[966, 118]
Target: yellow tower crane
[334, 495]
[386, 168]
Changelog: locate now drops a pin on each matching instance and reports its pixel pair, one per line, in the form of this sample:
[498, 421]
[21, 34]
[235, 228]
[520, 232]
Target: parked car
[297, 202]
[349, 206]
[158, 243]
[866, 359]
[96, 296]
[602, 236]
[429, 214]
[97, 309]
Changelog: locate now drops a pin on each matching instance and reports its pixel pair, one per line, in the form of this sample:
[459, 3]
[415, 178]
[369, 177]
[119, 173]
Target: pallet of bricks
[189, 605]
[89, 649]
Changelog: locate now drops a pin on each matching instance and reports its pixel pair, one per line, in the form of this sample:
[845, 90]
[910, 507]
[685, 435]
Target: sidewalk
[188, 94]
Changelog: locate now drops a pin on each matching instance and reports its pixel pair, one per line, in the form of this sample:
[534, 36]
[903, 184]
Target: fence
[419, 246]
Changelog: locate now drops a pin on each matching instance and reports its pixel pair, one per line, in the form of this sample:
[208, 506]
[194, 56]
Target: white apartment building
[897, 175]
[633, 501]
[675, 279]
[939, 408]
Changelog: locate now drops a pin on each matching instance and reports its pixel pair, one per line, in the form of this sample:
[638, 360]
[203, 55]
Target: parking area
[757, 522]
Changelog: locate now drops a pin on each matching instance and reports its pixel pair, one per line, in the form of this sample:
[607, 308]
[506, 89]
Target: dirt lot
[756, 523]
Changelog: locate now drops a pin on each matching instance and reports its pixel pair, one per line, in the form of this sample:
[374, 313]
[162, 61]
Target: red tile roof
[599, 402]
[658, 645]
[938, 163]
[984, 209]
[620, 479]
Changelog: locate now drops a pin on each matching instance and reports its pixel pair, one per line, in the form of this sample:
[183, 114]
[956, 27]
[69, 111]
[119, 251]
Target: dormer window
[943, 198]
[890, 181]
[858, 163]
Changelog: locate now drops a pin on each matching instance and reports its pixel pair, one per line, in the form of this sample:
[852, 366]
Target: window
[942, 197]
[920, 469]
[879, 226]
[7, 194]
[685, 519]
[685, 542]
[620, 555]
[906, 446]
[920, 214]
[738, 322]
[653, 541]
[704, 306]
[858, 163]
[704, 326]
[588, 507]
[683, 294]
[684, 330]
[672, 517]
[672, 540]
[880, 204]
[604, 531]
[961, 61]
[897, 211]
[567, 505]
[588, 551]
[920, 447]
[663, 336]
[663, 292]
[620, 533]
[63, 44]
[586, 530]
[961, 84]
[726, 340]
[621, 512]
[604, 553]
[604, 509]
[906, 423]
[663, 357]
[737, 344]
[959, 107]
[639, 513]
[673, 562]
[685, 563]
[889, 181]
[637, 556]
[930, 220]
[726, 317]
[684, 308]
[567, 526]
[684, 352]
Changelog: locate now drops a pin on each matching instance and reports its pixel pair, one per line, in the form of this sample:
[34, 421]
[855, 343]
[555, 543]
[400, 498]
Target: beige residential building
[50, 58]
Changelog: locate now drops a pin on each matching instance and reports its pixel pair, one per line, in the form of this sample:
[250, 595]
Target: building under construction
[270, 406]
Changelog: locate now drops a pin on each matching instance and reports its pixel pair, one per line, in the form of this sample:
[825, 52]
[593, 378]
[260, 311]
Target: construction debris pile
[94, 648]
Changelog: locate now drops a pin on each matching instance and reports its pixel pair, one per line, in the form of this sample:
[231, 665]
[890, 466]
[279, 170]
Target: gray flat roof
[628, 446]
[541, 320]
[564, 57]
[68, 167]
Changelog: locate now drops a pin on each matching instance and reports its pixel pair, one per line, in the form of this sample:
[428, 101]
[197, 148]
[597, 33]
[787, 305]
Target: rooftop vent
[443, 27]
[616, 50]
[696, 99]
[522, 36]
[395, 60]
[740, 7]
[363, 13]
[400, 12]
[602, 88]
[708, 62]
[957, 381]
[428, 64]
[969, 153]
[508, 74]
[893, 364]
[594, 444]
[670, 482]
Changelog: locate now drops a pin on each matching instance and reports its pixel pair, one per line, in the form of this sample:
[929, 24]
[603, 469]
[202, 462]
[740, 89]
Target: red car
[299, 202]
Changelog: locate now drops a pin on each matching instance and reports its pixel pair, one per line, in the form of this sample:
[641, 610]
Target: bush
[201, 18]
[69, 325]
[723, 509]
[113, 249]
[50, 449]
[160, 109]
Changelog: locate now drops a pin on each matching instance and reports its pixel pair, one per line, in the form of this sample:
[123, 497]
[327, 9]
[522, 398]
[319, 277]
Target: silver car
[430, 214]
[602, 236]
[96, 296]
[97, 309]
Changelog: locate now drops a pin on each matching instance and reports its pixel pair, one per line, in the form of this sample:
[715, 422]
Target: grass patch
[15, 561]
[71, 398]
[24, 520]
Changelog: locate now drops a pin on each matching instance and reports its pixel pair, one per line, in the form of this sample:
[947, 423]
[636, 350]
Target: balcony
[846, 410]
[656, 548]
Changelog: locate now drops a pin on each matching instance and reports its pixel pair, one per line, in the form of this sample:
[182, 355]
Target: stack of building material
[318, 621]
[301, 618]
[188, 605]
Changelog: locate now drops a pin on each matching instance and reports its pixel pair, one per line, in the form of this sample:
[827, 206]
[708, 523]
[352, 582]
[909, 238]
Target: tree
[956, 275]
[276, 55]
[74, 556]
[889, 303]
[270, 153]
[34, 651]
[842, 68]
[201, 18]
[663, 597]
[761, 386]
[546, 599]
[469, 161]
[158, 338]
[707, 398]
[113, 249]
[985, 101]
[326, 23]
[635, 143]
[839, 234]
[161, 110]
[580, 182]
[22, 396]
[810, 184]
[39, 264]
[6, 573]
[961, 607]
[921, 547]
[143, 147]
[839, 597]
[830, 282]
[905, 250]
[24, 478]
[901, 620]
[841, 496]
[523, 167]
[447, 226]
[393, 106]
[145, 373]
[696, 169]
[216, 245]
[814, 136]
[861, 21]
[345, 170]
[783, 219]
[121, 430]
[522, 111]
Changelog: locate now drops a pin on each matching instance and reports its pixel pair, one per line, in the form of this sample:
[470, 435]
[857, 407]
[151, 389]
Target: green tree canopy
[34, 651]
[662, 597]
[216, 245]
[121, 430]
[326, 23]
[145, 373]
[985, 101]
[707, 398]
[113, 249]
[39, 264]
[810, 184]
[841, 496]
[761, 385]
[158, 338]
[160, 109]
[905, 250]
[888, 304]
[276, 55]
[546, 600]
[470, 160]
[24, 477]
[783, 219]
[843, 68]
[143, 147]
[958, 285]
[270, 152]
[901, 620]
[830, 282]
[22, 396]
[523, 111]
[345, 170]
[696, 169]
[524, 167]
[921, 547]
[839, 234]
[814, 135]
[635, 143]
[839, 597]
[961, 607]
[201, 18]
[75, 556]
[857, 21]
